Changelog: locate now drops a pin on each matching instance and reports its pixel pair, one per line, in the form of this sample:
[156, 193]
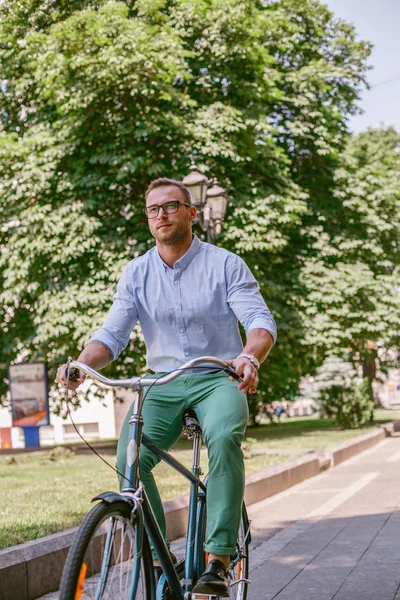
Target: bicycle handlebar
[148, 381]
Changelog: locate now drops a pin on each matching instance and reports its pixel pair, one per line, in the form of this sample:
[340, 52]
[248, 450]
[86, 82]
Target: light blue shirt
[186, 312]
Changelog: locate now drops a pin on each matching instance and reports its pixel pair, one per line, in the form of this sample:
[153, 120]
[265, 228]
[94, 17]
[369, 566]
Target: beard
[175, 234]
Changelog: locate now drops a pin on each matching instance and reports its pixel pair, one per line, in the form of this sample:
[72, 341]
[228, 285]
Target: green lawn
[45, 492]
[311, 433]
[41, 496]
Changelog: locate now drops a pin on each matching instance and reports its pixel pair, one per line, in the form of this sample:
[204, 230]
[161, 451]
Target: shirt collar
[186, 259]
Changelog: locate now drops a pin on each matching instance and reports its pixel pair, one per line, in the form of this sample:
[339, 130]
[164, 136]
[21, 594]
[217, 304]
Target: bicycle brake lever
[232, 373]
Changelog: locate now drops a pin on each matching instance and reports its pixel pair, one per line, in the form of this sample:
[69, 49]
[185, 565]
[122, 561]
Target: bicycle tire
[239, 568]
[104, 555]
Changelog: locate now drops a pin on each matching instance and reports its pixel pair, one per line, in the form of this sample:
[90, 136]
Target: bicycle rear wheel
[105, 560]
[239, 568]
[238, 571]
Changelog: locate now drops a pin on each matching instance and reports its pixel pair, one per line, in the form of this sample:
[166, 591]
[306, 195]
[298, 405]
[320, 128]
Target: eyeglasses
[169, 208]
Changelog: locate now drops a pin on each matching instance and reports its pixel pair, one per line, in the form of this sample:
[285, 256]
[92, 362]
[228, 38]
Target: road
[333, 537]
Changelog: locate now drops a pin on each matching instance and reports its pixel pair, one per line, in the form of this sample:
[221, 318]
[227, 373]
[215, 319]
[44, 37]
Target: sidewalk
[333, 537]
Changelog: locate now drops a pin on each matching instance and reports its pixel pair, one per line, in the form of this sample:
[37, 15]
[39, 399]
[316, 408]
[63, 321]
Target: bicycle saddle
[190, 420]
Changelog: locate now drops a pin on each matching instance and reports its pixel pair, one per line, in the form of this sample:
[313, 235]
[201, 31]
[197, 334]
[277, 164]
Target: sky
[377, 21]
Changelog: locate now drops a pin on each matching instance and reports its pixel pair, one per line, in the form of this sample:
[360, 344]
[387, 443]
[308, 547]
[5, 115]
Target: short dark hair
[164, 181]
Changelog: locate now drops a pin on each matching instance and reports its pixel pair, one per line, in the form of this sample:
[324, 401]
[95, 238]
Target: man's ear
[193, 213]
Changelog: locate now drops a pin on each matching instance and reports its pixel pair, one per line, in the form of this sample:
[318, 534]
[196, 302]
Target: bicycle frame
[194, 561]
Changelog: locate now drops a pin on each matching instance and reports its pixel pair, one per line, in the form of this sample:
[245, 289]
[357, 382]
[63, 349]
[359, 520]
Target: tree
[353, 305]
[101, 97]
[321, 68]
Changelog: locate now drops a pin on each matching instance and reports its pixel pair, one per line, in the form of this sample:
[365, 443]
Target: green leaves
[343, 395]
[353, 304]
[102, 97]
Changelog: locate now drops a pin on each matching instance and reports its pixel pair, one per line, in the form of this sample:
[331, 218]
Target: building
[95, 419]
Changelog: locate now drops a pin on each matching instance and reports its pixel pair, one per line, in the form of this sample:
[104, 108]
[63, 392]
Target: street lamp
[197, 185]
[211, 203]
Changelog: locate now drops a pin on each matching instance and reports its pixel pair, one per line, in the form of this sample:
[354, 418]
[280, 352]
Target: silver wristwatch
[254, 361]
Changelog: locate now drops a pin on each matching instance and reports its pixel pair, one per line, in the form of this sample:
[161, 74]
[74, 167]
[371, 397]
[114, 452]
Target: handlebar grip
[74, 374]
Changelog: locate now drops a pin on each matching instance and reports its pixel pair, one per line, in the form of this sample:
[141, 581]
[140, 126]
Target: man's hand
[248, 372]
[96, 355]
[62, 378]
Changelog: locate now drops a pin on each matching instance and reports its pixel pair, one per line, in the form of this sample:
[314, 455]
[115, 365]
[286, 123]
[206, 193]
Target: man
[188, 297]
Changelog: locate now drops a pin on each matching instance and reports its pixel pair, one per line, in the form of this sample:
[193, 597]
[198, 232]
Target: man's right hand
[62, 378]
[96, 355]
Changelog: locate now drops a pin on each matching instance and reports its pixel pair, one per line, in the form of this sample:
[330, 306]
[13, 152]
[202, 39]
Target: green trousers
[223, 413]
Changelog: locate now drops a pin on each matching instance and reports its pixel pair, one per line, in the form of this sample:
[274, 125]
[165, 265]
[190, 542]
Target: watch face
[254, 361]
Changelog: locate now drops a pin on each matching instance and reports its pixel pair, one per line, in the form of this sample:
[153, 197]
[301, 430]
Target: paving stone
[285, 556]
[386, 546]
[336, 561]
[371, 582]
[361, 561]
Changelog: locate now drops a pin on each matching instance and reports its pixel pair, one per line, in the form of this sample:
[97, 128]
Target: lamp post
[211, 202]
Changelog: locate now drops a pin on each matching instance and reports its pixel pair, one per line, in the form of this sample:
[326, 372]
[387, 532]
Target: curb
[343, 452]
[31, 570]
[273, 480]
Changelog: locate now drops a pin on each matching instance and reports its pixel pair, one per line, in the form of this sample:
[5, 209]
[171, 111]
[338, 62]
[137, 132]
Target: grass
[46, 492]
[304, 434]
[42, 495]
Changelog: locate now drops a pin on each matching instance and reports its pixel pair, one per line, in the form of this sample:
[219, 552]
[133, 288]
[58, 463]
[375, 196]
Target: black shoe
[214, 580]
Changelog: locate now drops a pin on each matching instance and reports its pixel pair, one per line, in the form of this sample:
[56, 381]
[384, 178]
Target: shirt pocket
[209, 308]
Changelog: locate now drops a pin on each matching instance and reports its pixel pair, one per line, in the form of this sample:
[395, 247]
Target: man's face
[173, 228]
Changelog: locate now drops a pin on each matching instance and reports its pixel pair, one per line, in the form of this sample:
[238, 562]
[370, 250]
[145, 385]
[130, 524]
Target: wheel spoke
[104, 558]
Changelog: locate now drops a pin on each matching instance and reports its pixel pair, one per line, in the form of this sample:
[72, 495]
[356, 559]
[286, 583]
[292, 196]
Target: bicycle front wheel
[109, 558]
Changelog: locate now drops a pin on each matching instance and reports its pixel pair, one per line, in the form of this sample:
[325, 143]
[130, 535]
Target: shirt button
[181, 331]
[176, 282]
[186, 353]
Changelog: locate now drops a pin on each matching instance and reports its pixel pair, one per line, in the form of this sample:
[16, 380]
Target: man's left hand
[248, 372]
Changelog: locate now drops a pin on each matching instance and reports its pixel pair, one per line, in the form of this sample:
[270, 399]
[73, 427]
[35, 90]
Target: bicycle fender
[110, 497]
[246, 521]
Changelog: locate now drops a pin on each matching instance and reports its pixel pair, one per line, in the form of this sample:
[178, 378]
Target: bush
[342, 395]
[351, 407]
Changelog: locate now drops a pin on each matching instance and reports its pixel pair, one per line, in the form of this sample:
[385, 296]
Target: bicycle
[110, 557]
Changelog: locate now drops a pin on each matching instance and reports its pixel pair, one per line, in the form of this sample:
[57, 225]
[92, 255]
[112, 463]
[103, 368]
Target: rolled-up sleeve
[245, 299]
[121, 317]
